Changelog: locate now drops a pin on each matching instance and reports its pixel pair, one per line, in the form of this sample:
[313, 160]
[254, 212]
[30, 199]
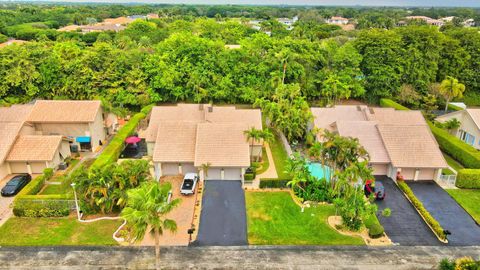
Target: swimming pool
[318, 171]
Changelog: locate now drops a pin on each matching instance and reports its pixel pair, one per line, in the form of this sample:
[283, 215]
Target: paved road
[245, 257]
[5, 210]
[452, 217]
[404, 226]
[223, 219]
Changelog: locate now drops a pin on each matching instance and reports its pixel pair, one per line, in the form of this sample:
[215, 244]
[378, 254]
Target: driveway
[223, 219]
[404, 226]
[452, 217]
[5, 210]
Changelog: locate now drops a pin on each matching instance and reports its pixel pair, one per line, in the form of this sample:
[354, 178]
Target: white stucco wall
[3, 170]
[467, 124]
[97, 130]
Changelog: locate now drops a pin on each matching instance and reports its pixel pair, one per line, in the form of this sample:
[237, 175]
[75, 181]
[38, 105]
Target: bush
[375, 231]
[467, 155]
[33, 187]
[147, 109]
[49, 206]
[468, 178]
[249, 176]
[437, 228]
[48, 173]
[113, 150]
[273, 183]
[385, 102]
[452, 107]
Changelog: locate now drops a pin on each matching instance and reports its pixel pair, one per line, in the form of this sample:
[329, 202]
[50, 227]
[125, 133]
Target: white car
[189, 184]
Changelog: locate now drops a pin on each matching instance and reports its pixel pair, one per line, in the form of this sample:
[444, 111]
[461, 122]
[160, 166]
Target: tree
[408, 95]
[450, 88]
[452, 124]
[252, 135]
[146, 209]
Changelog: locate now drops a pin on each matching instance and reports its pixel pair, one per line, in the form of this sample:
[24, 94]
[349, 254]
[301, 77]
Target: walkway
[258, 257]
[5, 202]
[271, 172]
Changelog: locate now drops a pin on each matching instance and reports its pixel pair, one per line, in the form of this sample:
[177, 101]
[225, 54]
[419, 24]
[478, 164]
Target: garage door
[188, 168]
[380, 169]
[213, 174]
[408, 174]
[18, 167]
[37, 167]
[426, 174]
[169, 168]
[233, 174]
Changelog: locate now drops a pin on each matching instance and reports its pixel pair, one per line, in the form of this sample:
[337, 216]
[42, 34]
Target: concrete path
[5, 202]
[261, 257]
[271, 172]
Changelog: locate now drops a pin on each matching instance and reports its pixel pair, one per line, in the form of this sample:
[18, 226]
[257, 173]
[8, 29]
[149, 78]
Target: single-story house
[397, 141]
[80, 121]
[186, 137]
[469, 130]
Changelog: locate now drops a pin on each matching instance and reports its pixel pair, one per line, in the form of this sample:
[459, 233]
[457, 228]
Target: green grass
[447, 172]
[265, 163]
[452, 162]
[279, 157]
[468, 199]
[57, 231]
[56, 189]
[274, 219]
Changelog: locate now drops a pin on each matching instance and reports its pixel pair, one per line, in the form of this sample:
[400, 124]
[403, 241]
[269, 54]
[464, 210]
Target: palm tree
[252, 135]
[205, 168]
[267, 136]
[146, 208]
[452, 125]
[450, 88]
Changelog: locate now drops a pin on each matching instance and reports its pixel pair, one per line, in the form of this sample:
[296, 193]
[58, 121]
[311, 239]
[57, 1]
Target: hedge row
[437, 228]
[385, 102]
[468, 178]
[36, 184]
[375, 229]
[273, 183]
[467, 155]
[113, 150]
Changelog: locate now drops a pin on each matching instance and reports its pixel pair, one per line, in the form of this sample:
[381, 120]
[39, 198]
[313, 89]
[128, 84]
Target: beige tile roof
[34, 148]
[15, 113]
[175, 142]
[119, 20]
[222, 145]
[411, 146]
[251, 117]
[395, 117]
[369, 137]
[325, 117]
[475, 114]
[8, 133]
[64, 111]
[69, 28]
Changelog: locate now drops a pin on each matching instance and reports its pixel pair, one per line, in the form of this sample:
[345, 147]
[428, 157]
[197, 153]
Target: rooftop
[64, 111]
[34, 148]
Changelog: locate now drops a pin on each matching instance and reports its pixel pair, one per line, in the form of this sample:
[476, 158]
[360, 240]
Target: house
[469, 23]
[186, 137]
[426, 19]
[80, 121]
[469, 130]
[397, 141]
[288, 22]
[152, 16]
[337, 20]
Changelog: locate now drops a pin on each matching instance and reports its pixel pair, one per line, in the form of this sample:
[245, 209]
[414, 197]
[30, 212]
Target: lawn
[57, 231]
[452, 162]
[469, 199]
[274, 219]
[279, 157]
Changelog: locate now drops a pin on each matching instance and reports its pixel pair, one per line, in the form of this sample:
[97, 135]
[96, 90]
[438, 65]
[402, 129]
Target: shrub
[452, 107]
[273, 183]
[33, 187]
[385, 102]
[468, 178]
[113, 150]
[249, 176]
[47, 173]
[375, 231]
[35, 206]
[147, 109]
[467, 155]
[437, 228]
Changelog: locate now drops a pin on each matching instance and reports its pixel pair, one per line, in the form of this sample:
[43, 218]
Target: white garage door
[169, 168]
[233, 174]
[188, 168]
[380, 169]
[37, 167]
[426, 174]
[18, 167]
[213, 174]
[407, 173]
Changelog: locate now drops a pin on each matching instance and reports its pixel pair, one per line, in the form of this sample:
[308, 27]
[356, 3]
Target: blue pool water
[317, 170]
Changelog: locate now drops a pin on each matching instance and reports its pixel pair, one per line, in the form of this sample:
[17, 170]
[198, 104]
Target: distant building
[426, 19]
[447, 19]
[288, 22]
[469, 23]
[337, 20]
[152, 16]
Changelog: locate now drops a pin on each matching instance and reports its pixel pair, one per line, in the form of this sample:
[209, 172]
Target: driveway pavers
[223, 219]
[5, 202]
[451, 216]
[404, 226]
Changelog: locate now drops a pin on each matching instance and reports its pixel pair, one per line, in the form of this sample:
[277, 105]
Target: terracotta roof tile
[175, 142]
[64, 111]
[34, 148]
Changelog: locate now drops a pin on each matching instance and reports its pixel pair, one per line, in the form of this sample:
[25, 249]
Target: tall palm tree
[205, 167]
[450, 88]
[146, 208]
[252, 135]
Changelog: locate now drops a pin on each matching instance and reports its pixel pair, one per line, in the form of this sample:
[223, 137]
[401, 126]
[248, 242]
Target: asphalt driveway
[404, 226]
[464, 231]
[223, 220]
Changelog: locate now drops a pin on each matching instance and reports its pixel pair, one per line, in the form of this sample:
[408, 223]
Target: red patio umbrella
[132, 139]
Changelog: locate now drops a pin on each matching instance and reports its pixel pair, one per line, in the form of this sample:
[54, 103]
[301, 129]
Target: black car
[15, 185]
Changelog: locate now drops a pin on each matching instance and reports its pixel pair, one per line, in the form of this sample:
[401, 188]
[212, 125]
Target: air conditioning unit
[74, 148]
[62, 166]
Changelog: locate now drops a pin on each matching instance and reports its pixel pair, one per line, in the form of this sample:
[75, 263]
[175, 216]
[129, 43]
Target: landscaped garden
[469, 199]
[57, 231]
[274, 219]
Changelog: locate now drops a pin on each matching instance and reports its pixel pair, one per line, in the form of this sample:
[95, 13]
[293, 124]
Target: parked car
[189, 183]
[15, 184]
[376, 188]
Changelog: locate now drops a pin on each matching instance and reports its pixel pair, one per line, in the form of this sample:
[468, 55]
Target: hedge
[375, 229]
[437, 228]
[249, 176]
[467, 155]
[113, 150]
[452, 107]
[36, 184]
[147, 109]
[273, 183]
[385, 102]
[468, 178]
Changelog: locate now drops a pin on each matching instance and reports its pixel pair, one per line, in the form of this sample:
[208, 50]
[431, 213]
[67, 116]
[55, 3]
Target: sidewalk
[271, 172]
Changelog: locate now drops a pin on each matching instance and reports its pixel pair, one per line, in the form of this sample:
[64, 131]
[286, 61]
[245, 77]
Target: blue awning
[84, 139]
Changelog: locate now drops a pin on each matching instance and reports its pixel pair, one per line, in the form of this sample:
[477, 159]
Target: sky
[428, 3]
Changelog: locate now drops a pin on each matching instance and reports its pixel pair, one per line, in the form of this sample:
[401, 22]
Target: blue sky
[429, 3]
